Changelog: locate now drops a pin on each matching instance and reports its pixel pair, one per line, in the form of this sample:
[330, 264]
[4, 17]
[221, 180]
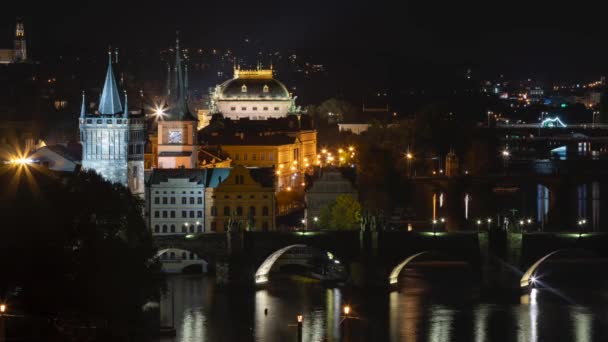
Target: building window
[199, 213]
[262, 156]
[270, 156]
[240, 179]
[295, 154]
[236, 156]
[164, 200]
[265, 211]
[213, 226]
[244, 89]
[172, 200]
[172, 228]
[191, 200]
[276, 108]
[213, 211]
[226, 211]
[199, 200]
[254, 156]
[184, 200]
[184, 213]
[199, 228]
[239, 196]
[239, 211]
[156, 200]
[156, 213]
[192, 229]
[157, 229]
[172, 213]
[226, 197]
[254, 108]
[184, 228]
[233, 108]
[265, 88]
[244, 156]
[265, 108]
[265, 226]
[164, 228]
[251, 196]
[252, 211]
[164, 213]
[191, 213]
[243, 108]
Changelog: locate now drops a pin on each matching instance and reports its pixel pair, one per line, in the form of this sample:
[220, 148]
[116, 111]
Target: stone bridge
[376, 258]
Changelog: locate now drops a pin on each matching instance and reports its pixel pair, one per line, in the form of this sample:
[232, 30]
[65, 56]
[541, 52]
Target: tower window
[244, 89]
[276, 108]
[233, 108]
[265, 89]
[265, 108]
[254, 108]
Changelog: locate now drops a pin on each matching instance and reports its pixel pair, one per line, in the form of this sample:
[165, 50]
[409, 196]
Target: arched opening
[319, 264]
[566, 267]
[175, 260]
[393, 279]
[432, 268]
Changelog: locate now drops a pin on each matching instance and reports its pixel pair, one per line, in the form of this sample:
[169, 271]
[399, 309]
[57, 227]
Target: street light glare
[347, 309]
[2, 308]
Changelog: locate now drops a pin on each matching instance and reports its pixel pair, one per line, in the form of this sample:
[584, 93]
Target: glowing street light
[350, 148]
[2, 308]
[346, 310]
[409, 156]
[159, 111]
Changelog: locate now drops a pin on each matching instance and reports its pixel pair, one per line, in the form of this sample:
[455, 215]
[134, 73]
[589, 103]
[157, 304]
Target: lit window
[254, 108]
[265, 89]
[265, 108]
[244, 88]
[233, 108]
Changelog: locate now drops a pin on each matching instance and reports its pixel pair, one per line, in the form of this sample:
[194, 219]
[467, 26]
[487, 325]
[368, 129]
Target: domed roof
[253, 88]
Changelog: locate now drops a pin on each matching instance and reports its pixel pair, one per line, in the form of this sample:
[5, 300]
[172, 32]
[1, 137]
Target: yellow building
[242, 197]
[290, 153]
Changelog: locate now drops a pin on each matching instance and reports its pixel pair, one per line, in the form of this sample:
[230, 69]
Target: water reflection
[418, 312]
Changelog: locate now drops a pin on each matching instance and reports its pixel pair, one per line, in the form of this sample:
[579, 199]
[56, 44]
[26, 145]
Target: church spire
[110, 100]
[83, 107]
[125, 114]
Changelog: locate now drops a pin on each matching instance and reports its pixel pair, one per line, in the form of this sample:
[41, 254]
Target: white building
[176, 201]
[252, 94]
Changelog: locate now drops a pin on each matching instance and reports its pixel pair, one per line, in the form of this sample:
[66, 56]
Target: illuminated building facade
[176, 136]
[113, 139]
[194, 201]
[18, 53]
[252, 94]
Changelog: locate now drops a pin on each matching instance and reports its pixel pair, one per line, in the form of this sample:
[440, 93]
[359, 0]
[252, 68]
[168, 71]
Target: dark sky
[517, 36]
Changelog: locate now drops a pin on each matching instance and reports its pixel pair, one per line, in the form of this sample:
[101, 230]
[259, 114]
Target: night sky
[525, 38]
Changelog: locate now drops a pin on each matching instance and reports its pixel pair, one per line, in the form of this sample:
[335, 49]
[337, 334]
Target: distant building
[18, 54]
[354, 128]
[194, 201]
[177, 138]
[324, 191]
[57, 158]
[252, 94]
[113, 139]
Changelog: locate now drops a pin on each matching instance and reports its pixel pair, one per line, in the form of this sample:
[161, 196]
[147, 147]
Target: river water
[426, 307]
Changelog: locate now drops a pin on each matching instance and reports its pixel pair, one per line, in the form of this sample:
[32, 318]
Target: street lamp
[505, 158]
[346, 310]
[2, 308]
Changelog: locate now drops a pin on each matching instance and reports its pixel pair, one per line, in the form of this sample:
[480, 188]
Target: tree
[75, 244]
[343, 214]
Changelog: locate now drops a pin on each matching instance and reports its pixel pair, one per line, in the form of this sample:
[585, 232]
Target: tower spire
[83, 107]
[125, 114]
[109, 103]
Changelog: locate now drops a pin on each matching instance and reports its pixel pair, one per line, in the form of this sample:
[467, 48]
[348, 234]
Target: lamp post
[346, 310]
[581, 224]
[408, 157]
[489, 220]
[434, 225]
[478, 225]
[2, 323]
[300, 318]
[505, 159]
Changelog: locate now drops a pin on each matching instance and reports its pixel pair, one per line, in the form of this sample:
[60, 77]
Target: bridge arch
[263, 271]
[394, 276]
[529, 277]
[175, 260]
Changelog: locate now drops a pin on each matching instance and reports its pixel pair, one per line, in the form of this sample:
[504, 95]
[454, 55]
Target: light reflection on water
[205, 313]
